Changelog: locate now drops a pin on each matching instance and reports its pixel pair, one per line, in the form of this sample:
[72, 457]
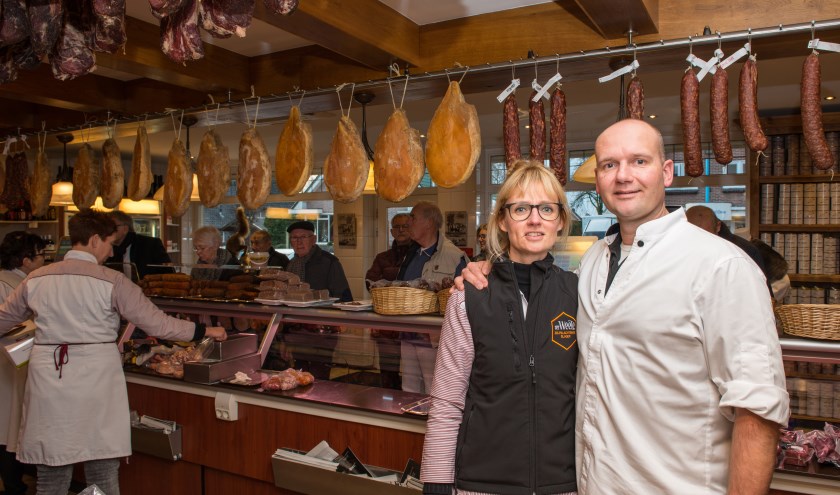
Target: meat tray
[211, 371]
[235, 346]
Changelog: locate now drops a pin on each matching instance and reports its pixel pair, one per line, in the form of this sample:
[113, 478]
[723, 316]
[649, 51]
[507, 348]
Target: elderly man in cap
[322, 270]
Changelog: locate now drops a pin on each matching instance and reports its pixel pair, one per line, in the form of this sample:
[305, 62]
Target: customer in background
[322, 270]
[386, 266]
[137, 249]
[481, 235]
[75, 403]
[705, 218]
[261, 242]
[776, 269]
[676, 337]
[432, 257]
[20, 254]
[506, 364]
[207, 242]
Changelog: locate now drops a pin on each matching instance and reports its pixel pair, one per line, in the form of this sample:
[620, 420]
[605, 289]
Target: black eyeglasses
[521, 211]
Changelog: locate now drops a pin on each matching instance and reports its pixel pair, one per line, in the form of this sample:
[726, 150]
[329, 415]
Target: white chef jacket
[684, 335]
[81, 414]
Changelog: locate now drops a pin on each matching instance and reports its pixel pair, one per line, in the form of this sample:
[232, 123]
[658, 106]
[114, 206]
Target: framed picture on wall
[456, 227]
[346, 229]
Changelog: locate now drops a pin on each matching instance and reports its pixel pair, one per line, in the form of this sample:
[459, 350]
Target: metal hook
[690, 46]
[813, 29]
[719, 39]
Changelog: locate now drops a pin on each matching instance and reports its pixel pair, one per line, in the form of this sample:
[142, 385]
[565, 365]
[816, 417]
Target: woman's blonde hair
[524, 175]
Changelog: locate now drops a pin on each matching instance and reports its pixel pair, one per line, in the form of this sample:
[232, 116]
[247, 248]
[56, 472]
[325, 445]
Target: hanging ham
[212, 169]
[397, 159]
[178, 185]
[140, 182]
[16, 190]
[254, 179]
[180, 39]
[454, 139]
[293, 156]
[45, 20]
[109, 25]
[223, 18]
[72, 55]
[40, 186]
[347, 164]
[113, 175]
[85, 178]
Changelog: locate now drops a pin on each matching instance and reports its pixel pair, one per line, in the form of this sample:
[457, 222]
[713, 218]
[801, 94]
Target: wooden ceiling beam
[614, 18]
[219, 70]
[89, 93]
[366, 31]
[27, 117]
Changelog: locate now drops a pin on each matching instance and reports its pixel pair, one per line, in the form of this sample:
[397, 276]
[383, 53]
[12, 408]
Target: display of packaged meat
[288, 379]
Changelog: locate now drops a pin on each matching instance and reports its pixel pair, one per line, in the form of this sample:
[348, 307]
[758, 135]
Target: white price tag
[543, 92]
[826, 46]
[700, 63]
[508, 90]
[741, 53]
[710, 66]
[624, 70]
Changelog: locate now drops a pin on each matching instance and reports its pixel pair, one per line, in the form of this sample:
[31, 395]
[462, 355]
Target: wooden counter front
[223, 456]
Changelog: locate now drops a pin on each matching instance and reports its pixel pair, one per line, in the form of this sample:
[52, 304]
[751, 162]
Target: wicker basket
[403, 301]
[443, 298]
[816, 321]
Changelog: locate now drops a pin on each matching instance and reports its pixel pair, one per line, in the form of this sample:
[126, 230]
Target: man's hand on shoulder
[474, 273]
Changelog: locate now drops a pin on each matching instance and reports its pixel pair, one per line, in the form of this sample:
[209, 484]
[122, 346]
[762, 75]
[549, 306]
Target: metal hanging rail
[811, 28]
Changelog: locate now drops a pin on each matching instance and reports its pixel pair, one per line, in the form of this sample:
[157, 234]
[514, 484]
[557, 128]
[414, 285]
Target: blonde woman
[503, 391]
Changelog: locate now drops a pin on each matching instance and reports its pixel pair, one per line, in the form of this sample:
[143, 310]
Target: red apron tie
[61, 359]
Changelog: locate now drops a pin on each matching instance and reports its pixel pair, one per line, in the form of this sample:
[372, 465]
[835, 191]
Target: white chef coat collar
[74, 254]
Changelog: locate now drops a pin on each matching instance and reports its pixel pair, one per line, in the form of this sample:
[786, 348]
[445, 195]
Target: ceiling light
[527, 127]
[62, 190]
[829, 97]
[652, 116]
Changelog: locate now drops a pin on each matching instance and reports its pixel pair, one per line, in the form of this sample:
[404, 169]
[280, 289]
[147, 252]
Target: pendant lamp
[62, 190]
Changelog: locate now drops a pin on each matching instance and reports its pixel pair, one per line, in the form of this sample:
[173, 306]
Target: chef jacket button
[641, 243]
[599, 291]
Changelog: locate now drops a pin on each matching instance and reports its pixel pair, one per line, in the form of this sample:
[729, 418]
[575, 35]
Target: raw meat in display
[294, 155]
[40, 186]
[454, 139]
[212, 169]
[288, 379]
[109, 31]
[112, 176]
[140, 182]
[347, 164]
[180, 39]
[164, 8]
[45, 17]
[85, 178]
[14, 23]
[223, 18]
[254, 181]
[398, 158]
[282, 7]
[178, 185]
[72, 56]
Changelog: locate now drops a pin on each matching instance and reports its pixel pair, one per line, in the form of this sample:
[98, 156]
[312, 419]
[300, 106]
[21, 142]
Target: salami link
[536, 119]
[510, 130]
[557, 152]
[690, 107]
[812, 127]
[748, 107]
[635, 99]
[719, 109]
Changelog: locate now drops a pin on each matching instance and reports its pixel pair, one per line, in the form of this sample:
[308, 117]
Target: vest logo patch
[564, 331]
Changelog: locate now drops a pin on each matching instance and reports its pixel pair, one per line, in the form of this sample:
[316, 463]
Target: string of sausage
[690, 107]
[635, 99]
[719, 109]
[536, 119]
[812, 127]
[748, 107]
[557, 151]
[510, 130]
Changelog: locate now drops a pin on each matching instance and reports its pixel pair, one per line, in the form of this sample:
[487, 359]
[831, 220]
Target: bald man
[705, 218]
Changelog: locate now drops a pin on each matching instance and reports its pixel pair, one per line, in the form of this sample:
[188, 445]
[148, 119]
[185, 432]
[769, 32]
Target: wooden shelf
[831, 228]
[814, 279]
[796, 179]
[19, 222]
[810, 376]
[814, 418]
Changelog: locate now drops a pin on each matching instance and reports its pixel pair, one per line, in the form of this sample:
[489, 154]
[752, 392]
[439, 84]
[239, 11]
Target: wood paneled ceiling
[334, 42]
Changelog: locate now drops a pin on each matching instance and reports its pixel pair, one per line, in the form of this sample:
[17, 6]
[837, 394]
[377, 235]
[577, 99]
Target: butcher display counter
[234, 454]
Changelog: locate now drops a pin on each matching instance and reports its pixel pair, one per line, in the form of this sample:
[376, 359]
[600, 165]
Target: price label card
[508, 90]
[543, 92]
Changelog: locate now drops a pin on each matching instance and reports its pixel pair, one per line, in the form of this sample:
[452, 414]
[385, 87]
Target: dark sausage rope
[719, 109]
[690, 106]
[635, 99]
[748, 107]
[536, 118]
[557, 152]
[812, 127]
[510, 130]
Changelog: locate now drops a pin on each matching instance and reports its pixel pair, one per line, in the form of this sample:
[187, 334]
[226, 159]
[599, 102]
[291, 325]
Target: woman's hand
[217, 333]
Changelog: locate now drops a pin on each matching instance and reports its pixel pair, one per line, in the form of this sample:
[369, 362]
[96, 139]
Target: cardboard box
[18, 342]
